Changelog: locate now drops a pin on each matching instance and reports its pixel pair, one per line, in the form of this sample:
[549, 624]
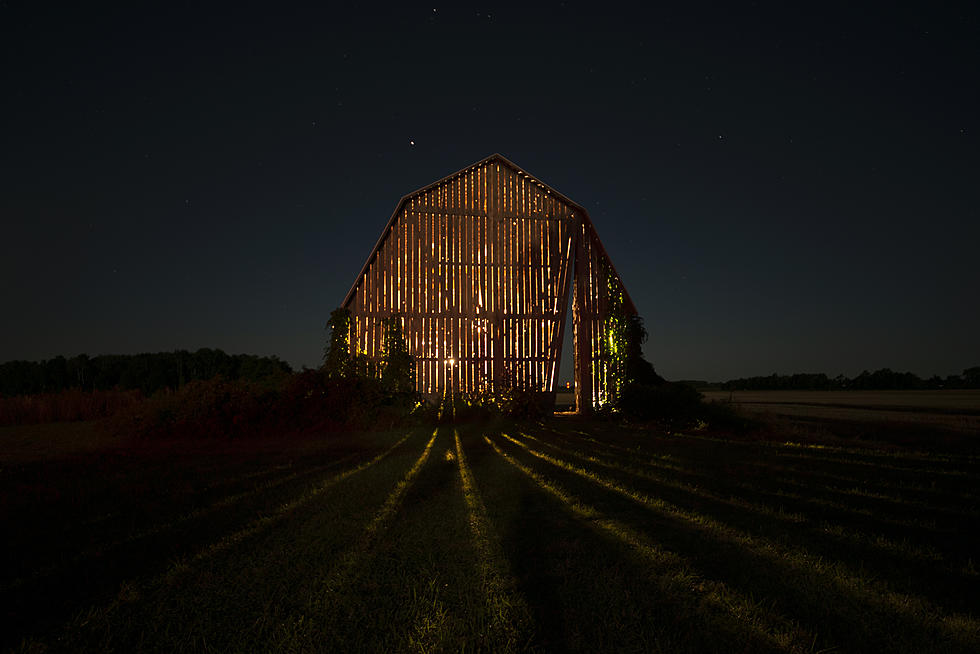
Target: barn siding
[479, 266]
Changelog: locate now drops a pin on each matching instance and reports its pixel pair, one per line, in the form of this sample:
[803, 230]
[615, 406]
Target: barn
[478, 268]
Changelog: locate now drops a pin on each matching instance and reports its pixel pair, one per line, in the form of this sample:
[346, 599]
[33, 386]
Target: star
[411, 143]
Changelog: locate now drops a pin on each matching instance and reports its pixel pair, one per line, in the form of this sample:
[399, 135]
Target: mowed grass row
[827, 580]
[383, 556]
[43, 590]
[562, 536]
[893, 517]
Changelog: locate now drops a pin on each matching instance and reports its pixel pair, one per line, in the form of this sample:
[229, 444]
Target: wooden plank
[497, 347]
[460, 211]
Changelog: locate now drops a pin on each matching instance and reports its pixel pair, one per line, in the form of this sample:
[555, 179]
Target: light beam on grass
[358, 556]
[876, 541]
[98, 614]
[863, 513]
[841, 461]
[864, 481]
[796, 518]
[661, 463]
[957, 627]
[897, 503]
[804, 451]
[661, 459]
[851, 537]
[674, 574]
[504, 601]
[397, 494]
[156, 530]
[264, 522]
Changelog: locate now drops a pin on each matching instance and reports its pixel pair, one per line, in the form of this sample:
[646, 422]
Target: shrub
[216, 407]
[523, 403]
[306, 401]
[66, 406]
[679, 406]
[675, 405]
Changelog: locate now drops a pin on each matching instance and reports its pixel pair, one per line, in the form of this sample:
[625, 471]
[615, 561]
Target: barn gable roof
[498, 158]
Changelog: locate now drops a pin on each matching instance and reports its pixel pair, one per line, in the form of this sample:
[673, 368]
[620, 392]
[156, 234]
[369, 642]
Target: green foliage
[521, 402]
[615, 345]
[622, 347]
[337, 357]
[398, 366]
[509, 401]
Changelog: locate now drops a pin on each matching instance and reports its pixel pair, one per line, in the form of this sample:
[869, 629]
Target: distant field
[562, 536]
[967, 401]
[956, 411]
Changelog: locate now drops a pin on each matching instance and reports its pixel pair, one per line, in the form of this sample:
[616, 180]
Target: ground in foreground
[565, 535]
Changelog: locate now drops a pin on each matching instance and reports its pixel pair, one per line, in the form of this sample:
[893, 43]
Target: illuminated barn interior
[478, 267]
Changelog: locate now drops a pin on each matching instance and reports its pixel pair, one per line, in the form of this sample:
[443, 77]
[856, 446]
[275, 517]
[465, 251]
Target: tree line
[879, 380]
[148, 372]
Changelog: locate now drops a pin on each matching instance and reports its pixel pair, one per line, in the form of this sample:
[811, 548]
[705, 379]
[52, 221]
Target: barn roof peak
[495, 157]
[581, 211]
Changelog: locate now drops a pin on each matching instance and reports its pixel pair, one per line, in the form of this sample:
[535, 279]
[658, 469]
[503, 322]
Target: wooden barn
[478, 267]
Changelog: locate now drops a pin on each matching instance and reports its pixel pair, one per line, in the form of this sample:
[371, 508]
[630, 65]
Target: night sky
[782, 188]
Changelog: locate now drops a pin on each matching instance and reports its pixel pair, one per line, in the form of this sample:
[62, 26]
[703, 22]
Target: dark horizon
[782, 189]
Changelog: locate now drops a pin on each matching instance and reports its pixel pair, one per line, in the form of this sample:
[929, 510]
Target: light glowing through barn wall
[480, 266]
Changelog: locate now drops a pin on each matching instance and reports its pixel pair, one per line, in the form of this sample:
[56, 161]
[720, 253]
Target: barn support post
[581, 324]
[497, 273]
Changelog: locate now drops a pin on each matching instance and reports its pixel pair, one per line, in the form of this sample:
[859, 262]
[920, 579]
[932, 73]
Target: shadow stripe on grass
[941, 575]
[673, 462]
[105, 549]
[674, 574]
[345, 571]
[850, 537]
[216, 484]
[963, 630]
[88, 624]
[860, 456]
[865, 513]
[504, 600]
[266, 521]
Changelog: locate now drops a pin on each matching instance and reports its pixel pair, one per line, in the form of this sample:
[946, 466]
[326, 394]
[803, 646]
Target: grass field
[563, 535]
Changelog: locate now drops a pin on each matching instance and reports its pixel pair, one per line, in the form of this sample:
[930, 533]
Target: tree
[398, 366]
[971, 377]
[622, 346]
[638, 370]
[614, 346]
[337, 360]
